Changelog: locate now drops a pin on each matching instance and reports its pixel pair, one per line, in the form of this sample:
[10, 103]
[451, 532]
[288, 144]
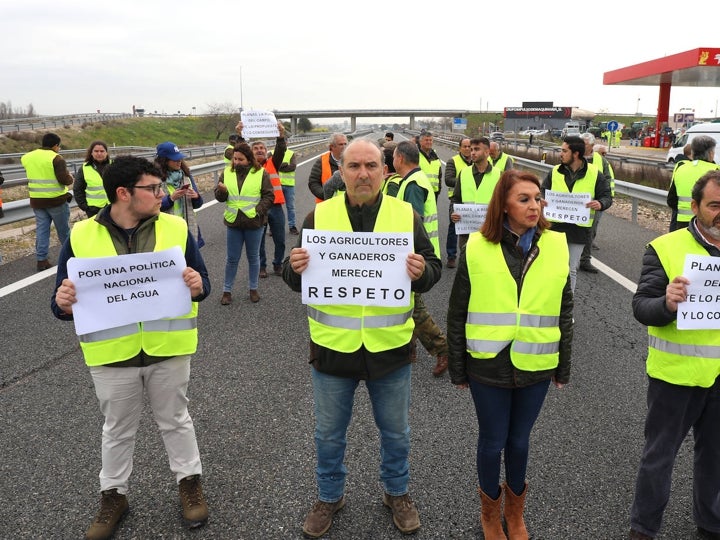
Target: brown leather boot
[490, 517]
[514, 508]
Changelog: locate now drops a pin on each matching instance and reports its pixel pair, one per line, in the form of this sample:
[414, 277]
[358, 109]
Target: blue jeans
[390, 399]
[276, 222]
[451, 243]
[671, 411]
[505, 419]
[235, 240]
[60, 216]
[289, 192]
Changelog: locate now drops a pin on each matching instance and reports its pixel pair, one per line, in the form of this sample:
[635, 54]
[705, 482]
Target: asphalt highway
[251, 401]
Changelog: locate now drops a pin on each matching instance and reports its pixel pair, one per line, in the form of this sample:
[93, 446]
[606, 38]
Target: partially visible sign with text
[701, 310]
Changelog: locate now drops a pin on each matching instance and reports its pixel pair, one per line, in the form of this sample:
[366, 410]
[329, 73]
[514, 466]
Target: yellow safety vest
[684, 178]
[497, 318]
[582, 185]
[501, 163]
[682, 357]
[429, 217]
[94, 191]
[164, 337]
[460, 164]
[228, 162]
[346, 327]
[597, 161]
[472, 194]
[42, 182]
[287, 178]
[242, 200]
[432, 171]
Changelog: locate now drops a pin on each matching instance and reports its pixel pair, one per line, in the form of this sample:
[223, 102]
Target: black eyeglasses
[155, 188]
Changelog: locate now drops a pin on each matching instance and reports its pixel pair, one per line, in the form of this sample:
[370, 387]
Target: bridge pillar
[353, 124]
[293, 125]
[412, 121]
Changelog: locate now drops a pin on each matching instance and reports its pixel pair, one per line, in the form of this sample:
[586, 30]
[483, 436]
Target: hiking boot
[451, 262]
[226, 299]
[404, 511]
[254, 296]
[293, 230]
[277, 269]
[113, 507]
[263, 272]
[441, 366]
[320, 518]
[194, 507]
[43, 265]
[589, 268]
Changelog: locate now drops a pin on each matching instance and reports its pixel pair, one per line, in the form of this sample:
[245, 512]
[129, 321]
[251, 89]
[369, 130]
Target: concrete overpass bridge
[353, 115]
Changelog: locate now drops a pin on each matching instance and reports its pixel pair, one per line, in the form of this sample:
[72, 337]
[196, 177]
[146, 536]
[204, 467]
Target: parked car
[497, 136]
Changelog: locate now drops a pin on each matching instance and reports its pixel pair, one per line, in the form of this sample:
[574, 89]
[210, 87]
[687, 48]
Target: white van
[711, 129]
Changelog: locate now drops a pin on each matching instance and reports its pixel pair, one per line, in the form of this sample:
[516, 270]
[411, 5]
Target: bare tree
[221, 119]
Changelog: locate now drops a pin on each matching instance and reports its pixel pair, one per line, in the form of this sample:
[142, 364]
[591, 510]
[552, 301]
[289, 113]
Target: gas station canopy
[694, 68]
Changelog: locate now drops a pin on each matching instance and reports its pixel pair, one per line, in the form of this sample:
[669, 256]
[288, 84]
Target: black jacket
[363, 364]
[500, 371]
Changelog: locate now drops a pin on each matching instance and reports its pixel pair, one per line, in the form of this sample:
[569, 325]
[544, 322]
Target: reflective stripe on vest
[585, 184]
[42, 183]
[684, 178]
[242, 200]
[474, 194]
[497, 318]
[287, 178]
[682, 357]
[429, 216]
[432, 171]
[92, 239]
[269, 166]
[345, 327]
[94, 191]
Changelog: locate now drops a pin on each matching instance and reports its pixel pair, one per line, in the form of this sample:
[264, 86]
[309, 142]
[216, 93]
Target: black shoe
[707, 535]
[588, 267]
[293, 230]
[277, 269]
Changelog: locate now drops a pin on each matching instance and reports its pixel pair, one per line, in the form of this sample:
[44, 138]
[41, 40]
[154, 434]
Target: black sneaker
[113, 507]
[293, 230]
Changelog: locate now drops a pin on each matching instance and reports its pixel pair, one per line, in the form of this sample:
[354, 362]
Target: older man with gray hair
[326, 165]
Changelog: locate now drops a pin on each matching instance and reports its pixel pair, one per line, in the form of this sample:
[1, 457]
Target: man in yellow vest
[145, 358]
[48, 181]
[326, 165]
[233, 139]
[413, 187]
[683, 372]
[685, 174]
[287, 179]
[499, 159]
[575, 175]
[430, 162]
[475, 184]
[350, 343]
[452, 174]
[603, 165]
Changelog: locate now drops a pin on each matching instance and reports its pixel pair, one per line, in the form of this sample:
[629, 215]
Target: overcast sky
[72, 56]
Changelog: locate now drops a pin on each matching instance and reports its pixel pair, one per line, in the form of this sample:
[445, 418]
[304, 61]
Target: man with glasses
[151, 357]
[326, 165]
[48, 181]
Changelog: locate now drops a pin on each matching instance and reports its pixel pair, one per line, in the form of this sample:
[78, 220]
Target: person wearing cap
[182, 197]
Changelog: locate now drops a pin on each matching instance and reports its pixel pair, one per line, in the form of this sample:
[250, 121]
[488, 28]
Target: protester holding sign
[350, 342]
[683, 371]
[510, 333]
[147, 357]
[571, 182]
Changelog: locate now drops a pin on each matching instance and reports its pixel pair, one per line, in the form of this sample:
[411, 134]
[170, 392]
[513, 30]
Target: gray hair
[588, 138]
[701, 147]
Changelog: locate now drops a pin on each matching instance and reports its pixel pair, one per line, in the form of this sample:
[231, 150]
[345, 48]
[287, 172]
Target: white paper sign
[701, 310]
[123, 289]
[260, 124]
[357, 268]
[472, 217]
[567, 207]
